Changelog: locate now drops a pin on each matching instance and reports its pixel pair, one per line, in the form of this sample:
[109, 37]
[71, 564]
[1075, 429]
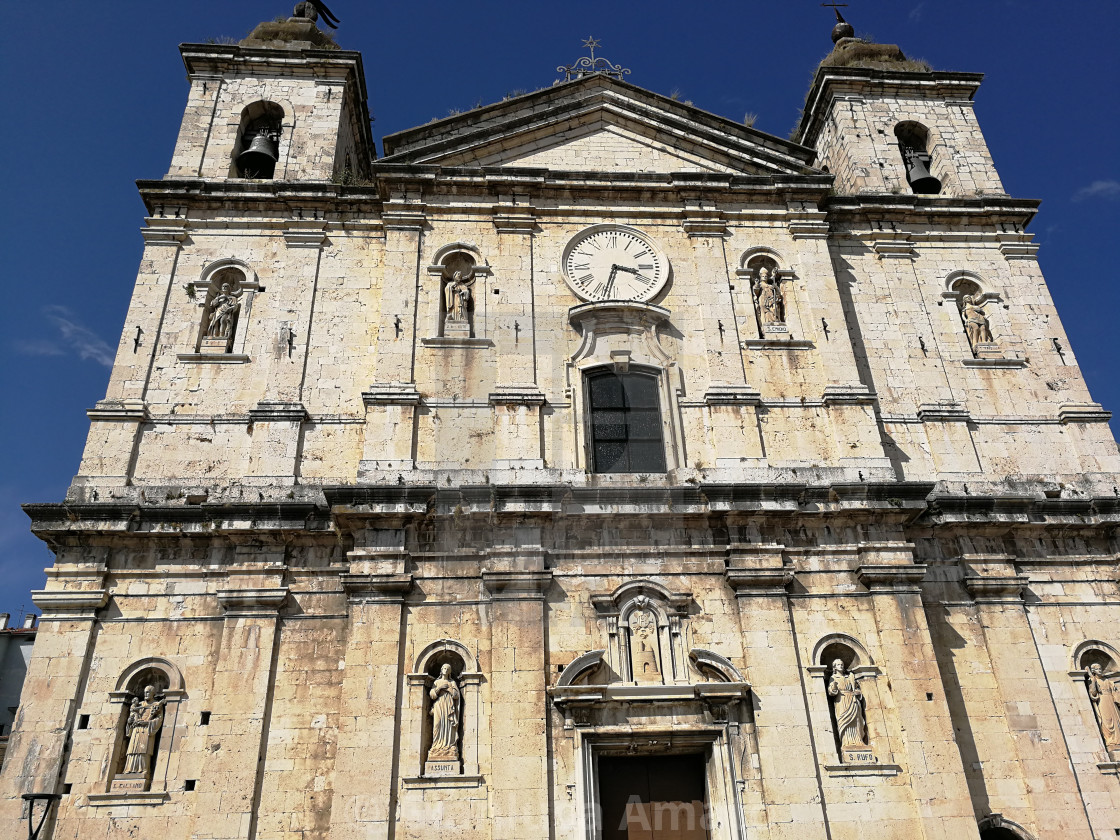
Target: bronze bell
[259, 160]
[918, 174]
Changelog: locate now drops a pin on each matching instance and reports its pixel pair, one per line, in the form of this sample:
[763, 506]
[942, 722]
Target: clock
[614, 262]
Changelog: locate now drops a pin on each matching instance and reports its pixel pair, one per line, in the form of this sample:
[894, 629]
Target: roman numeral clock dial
[613, 262]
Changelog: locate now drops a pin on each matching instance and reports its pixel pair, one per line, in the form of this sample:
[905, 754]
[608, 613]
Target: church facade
[585, 466]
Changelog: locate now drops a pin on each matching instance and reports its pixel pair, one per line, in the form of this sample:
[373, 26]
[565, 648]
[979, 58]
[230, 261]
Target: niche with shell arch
[968, 292]
[459, 282]
[445, 681]
[256, 149]
[1096, 665]
[224, 296]
[851, 717]
[144, 731]
[764, 286]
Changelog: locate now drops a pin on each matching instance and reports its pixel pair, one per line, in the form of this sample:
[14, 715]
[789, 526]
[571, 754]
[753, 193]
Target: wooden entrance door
[653, 798]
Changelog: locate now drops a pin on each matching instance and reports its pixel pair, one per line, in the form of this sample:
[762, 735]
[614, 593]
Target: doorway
[653, 797]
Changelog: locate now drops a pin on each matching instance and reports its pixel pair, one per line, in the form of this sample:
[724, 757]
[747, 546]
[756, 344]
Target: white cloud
[917, 12]
[1098, 189]
[73, 336]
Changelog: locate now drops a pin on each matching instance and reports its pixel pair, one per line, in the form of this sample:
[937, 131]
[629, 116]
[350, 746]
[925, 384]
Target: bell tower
[284, 104]
[884, 123]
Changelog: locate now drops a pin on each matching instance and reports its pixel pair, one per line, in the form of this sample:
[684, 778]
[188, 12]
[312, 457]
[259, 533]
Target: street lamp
[48, 799]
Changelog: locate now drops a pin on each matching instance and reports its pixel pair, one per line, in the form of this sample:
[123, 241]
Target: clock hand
[610, 281]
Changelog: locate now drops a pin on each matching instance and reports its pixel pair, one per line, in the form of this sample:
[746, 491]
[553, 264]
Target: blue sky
[93, 94]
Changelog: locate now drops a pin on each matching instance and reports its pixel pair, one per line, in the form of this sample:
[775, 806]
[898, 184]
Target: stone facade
[346, 521]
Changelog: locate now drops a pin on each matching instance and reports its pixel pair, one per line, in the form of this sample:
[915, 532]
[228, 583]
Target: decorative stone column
[376, 585]
[519, 705]
[787, 771]
[39, 743]
[941, 795]
[244, 680]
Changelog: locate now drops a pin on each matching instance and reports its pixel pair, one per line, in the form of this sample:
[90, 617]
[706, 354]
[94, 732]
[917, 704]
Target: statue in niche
[1105, 695]
[643, 645]
[457, 297]
[844, 687]
[768, 297]
[975, 321]
[223, 313]
[145, 718]
[445, 717]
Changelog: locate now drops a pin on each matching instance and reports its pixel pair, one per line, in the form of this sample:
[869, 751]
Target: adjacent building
[585, 466]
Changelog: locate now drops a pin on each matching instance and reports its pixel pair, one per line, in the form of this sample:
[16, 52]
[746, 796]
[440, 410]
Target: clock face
[612, 262]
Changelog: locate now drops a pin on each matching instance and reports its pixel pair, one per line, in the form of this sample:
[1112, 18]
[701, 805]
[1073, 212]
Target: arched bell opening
[914, 146]
[258, 145]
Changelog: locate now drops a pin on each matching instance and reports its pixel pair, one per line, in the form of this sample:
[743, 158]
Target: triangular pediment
[598, 124]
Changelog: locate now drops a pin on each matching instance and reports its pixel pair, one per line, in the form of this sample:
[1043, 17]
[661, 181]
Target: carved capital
[1001, 588]
[892, 578]
[69, 605]
[755, 582]
[252, 602]
[517, 586]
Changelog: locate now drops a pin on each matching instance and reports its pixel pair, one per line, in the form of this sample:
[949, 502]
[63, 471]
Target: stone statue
[223, 313]
[849, 707]
[643, 646]
[145, 717]
[445, 717]
[768, 294]
[1105, 695]
[975, 321]
[457, 297]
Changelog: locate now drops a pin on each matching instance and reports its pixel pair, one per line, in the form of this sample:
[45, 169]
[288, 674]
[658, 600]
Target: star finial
[591, 44]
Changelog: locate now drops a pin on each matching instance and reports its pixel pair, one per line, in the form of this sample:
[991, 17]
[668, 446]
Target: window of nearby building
[625, 427]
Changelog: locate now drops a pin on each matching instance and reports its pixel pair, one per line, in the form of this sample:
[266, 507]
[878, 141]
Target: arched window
[258, 146]
[625, 428]
[913, 145]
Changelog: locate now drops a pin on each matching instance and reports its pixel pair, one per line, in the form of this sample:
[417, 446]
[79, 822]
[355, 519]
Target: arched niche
[166, 681]
[1096, 665]
[428, 670]
[764, 279]
[970, 294]
[256, 149]
[646, 626]
[232, 277]
[585, 669]
[860, 668]
[998, 827]
[1095, 652]
[916, 151]
[459, 279]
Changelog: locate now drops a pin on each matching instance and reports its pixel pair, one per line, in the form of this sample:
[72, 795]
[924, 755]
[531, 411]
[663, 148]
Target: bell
[917, 173]
[259, 160]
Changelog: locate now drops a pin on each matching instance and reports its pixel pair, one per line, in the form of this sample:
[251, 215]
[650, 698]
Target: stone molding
[101, 800]
[857, 770]
[517, 586]
[892, 578]
[1083, 413]
[718, 394]
[376, 588]
[856, 394]
[461, 343]
[69, 605]
[391, 393]
[214, 358]
[121, 410]
[997, 589]
[238, 603]
[515, 219]
[777, 344]
[277, 411]
[404, 216]
[704, 224]
[943, 413]
[162, 231]
[758, 582]
[528, 394]
[305, 233]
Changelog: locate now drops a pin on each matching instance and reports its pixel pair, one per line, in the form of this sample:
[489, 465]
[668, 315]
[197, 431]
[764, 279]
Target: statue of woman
[769, 297]
[1106, 701]
[975, 321]
[445, 717]
[144, 720]
[223, 308]
[849, 708]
